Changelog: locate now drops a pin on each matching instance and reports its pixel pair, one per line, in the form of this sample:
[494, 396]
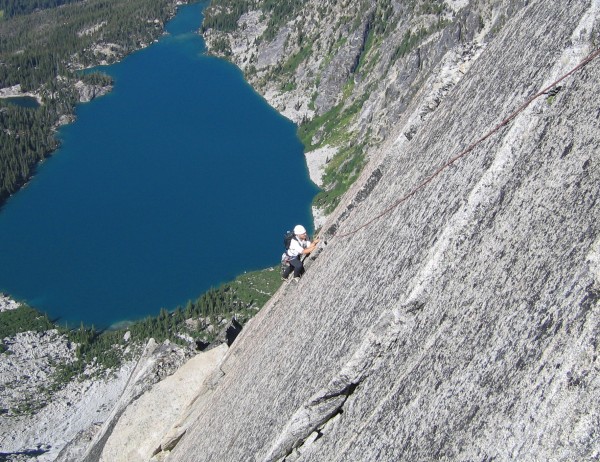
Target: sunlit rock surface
[463, 323]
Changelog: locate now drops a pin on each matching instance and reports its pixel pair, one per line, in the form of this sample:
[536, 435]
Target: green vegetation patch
[340, 174]
[224, 15]
[280, 12]
[382, 22]
[332, 128]
[409, 42]
[25, 139]
[436, 7]
[23, 319]
[364, 55]
[326, 123]
[221, 46]
[412, 39]
[288, 86]
[290, 66]
[97, 78]
[256, 288]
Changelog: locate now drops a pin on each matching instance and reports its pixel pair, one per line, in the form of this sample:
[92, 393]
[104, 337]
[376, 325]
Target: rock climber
[299, 247]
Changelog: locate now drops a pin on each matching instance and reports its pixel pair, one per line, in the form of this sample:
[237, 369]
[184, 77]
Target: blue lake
[178, 180]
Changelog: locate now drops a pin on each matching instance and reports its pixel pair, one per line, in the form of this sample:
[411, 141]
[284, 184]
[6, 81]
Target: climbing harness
[472, 146]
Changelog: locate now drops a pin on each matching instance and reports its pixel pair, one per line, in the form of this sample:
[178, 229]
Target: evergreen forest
[223, 15]
[44, 45]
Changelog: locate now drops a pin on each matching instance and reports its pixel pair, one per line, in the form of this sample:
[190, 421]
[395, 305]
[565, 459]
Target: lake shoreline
[174, 154]
[85, 403]
[15, 92]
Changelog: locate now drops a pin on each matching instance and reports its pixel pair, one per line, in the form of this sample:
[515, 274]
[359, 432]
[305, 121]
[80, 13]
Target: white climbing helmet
[299, 229]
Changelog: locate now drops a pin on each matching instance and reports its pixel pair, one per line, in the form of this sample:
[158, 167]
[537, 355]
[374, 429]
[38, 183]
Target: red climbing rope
[472, 146]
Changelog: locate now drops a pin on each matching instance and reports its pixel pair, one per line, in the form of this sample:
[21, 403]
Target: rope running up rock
[429, 179]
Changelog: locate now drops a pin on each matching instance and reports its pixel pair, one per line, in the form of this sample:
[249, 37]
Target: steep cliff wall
[463, 323]
[353, 68]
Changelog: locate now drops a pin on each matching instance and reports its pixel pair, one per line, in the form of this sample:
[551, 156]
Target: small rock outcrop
[6, 303]
[88, 92]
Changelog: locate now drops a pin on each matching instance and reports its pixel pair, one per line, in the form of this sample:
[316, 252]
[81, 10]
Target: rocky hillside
[348, 70]
[453, 312]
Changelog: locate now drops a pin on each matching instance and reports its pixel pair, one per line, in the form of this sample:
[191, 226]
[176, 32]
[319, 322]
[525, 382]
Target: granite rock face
[463, 323]
[154, 414]
[6, 303]
[157, 362]
[89, 92]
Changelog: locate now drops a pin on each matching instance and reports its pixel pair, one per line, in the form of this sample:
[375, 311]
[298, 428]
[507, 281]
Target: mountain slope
[462, 324]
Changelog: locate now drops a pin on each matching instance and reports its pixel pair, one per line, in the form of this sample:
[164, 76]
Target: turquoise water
[179, 180]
